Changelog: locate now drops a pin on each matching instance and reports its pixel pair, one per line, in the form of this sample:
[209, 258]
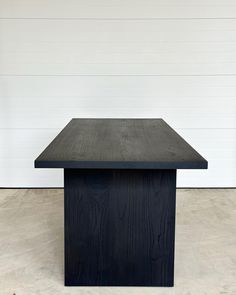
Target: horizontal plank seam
[117, 75]
[119, 18]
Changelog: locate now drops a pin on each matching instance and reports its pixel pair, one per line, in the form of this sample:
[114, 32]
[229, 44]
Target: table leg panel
[119, 227]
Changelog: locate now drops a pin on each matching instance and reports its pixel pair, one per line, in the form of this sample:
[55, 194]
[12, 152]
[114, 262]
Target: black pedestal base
[119, 227]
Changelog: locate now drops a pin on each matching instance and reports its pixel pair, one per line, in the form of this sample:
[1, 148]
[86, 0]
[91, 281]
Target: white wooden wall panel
[104, 47]
[21, 173]
[49, 102]
[177, 117]
[134, 58]
[190, 90]
[117, 9]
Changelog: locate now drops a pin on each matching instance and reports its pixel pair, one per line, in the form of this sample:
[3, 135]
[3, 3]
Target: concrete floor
[31, 244]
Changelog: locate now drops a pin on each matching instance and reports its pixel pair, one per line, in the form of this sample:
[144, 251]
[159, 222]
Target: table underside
[119, 227]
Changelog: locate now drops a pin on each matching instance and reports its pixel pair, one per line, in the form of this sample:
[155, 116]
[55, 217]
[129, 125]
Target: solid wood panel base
[119, 227]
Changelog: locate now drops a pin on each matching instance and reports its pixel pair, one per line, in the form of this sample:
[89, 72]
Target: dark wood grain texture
[120, 183]
[119, 144]
[119, 227]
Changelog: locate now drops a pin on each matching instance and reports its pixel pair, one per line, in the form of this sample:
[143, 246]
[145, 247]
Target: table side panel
[119, 227]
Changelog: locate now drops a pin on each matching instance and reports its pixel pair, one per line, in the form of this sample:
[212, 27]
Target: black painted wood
[120, 144]
[119, 227]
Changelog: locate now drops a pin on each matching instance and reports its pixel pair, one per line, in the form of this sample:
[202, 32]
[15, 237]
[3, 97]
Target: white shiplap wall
[134, 58]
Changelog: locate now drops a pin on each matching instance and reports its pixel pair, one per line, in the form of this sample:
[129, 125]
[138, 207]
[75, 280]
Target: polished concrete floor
[31, 244]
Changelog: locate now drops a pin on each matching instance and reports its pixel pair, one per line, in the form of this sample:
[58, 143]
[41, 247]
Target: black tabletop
[119, 144]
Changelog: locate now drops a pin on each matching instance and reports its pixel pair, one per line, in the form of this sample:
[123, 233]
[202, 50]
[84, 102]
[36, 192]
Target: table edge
[121, 164]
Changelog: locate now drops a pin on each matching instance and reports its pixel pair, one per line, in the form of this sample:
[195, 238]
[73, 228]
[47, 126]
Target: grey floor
[31, 244]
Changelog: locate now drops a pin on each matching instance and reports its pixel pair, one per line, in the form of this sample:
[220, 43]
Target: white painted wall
[132, 58]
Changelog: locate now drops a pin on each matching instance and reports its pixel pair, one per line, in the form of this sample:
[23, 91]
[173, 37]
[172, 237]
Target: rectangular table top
[119, 144]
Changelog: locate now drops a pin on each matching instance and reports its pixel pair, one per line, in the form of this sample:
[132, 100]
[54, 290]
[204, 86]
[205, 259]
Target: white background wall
[130, 58]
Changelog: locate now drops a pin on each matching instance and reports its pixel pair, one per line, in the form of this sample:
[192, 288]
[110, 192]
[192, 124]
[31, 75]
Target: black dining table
[119, 199]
